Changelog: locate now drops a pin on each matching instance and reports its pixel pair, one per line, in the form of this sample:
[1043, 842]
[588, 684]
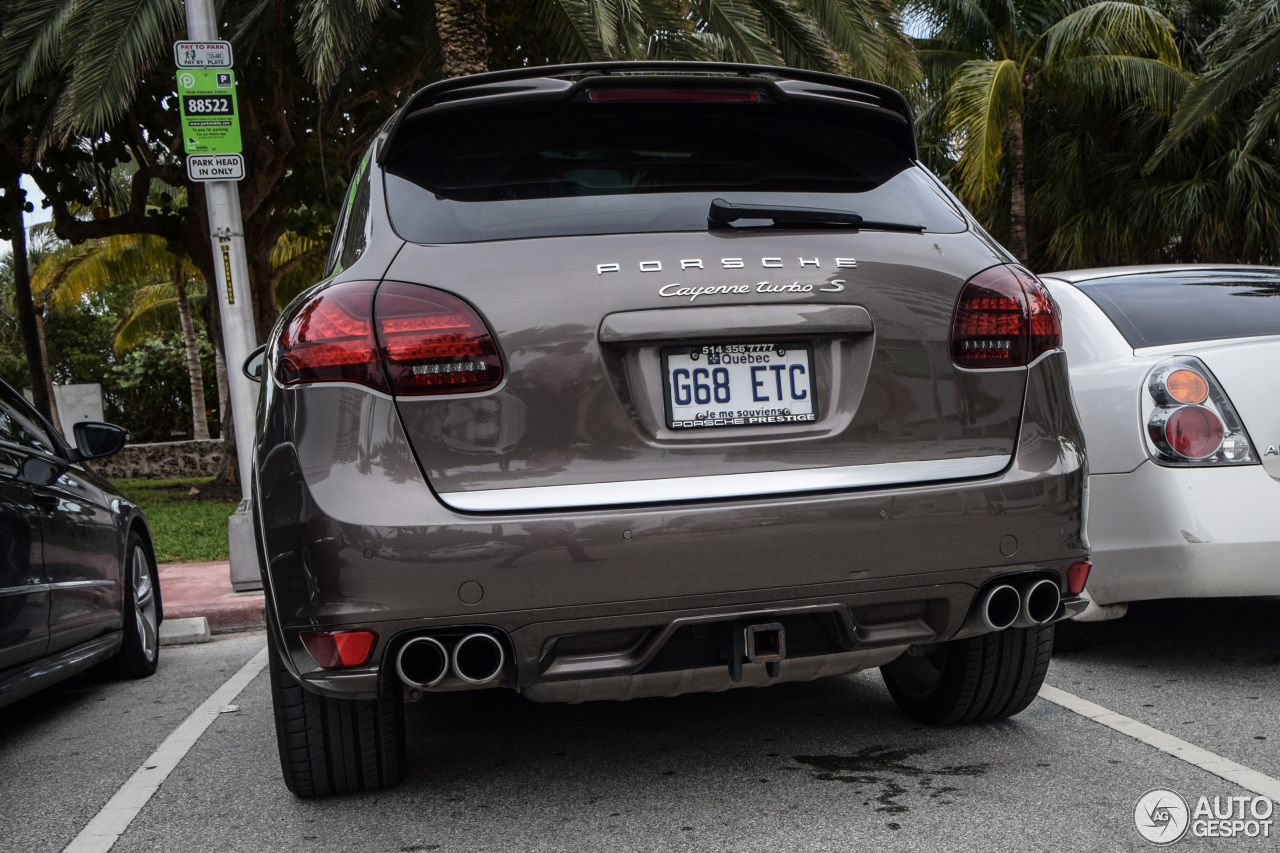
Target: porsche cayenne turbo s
[1171, 371]
[633, 380]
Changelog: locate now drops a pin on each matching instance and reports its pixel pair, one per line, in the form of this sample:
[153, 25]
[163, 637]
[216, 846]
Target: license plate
[732, 385]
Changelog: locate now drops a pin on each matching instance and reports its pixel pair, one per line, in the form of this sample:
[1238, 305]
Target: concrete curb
[181, 632]
[204, 590]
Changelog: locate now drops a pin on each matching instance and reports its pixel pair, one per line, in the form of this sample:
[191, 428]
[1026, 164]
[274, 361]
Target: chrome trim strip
[82, 584]
[724, 486]
[728, 321]
[29, 589]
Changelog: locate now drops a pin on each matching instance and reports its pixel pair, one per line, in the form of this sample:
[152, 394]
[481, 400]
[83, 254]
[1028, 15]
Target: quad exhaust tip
[1040, 600]
[1005, 606]
[996, 609]
[422, 662]
[478, 658]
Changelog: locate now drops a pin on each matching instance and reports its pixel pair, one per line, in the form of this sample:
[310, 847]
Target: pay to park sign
[207, 102]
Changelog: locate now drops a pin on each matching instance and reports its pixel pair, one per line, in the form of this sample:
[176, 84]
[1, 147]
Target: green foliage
[1101, 198]
[151, 391]
[997, 57]
[186, 528]
[1243, 59]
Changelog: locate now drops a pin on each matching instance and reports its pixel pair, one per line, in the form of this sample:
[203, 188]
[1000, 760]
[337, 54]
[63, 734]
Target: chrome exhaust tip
[995, 610]
[1040, 602]
[478, 658]
[422, 662]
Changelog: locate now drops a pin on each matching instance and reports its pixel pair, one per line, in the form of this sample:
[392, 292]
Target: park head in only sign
[207, 103]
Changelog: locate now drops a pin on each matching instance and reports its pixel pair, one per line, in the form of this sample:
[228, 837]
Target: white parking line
[1250, 780]
[110, 823]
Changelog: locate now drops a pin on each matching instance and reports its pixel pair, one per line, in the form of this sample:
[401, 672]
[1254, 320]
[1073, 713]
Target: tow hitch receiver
[764, 643]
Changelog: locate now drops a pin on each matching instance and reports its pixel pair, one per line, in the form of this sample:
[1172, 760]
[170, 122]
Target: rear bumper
[1162, 532]
[357, 541]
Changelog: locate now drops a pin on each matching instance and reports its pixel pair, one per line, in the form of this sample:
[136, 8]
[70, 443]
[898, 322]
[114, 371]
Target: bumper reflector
[1077, 576]
[333, 650]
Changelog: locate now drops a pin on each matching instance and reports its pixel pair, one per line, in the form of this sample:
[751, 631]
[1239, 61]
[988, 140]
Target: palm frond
[741, 29]
[983, 96]
[329, 33]
[968, 25]
[868, 35]
[154, 311]
[115, 44]
[575, 30]
[1118, 81]
[1112, 27]
[30, 43]
[798, 37]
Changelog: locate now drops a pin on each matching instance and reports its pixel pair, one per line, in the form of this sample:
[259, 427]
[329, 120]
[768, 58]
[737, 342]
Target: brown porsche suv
[639, 379]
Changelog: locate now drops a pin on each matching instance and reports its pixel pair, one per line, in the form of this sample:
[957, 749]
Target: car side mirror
[41, 472]
[95, 440]
[254, 363]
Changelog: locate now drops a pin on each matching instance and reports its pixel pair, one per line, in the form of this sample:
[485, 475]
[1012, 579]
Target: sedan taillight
[1005, 318]
[405, 339]
[1189, 419]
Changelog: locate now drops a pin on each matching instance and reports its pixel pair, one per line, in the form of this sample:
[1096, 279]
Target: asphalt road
[827, 765]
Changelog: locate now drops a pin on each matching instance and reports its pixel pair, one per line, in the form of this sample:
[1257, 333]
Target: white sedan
[1174, 371]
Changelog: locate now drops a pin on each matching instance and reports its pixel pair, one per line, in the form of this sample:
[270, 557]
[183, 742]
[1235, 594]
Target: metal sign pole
[235, 304]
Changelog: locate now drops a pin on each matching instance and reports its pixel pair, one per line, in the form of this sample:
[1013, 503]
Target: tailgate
[593, 328]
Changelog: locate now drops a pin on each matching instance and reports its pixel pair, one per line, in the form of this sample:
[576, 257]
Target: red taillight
[334, 649]
[422, 340]
[705, 96]
[1005, 318]
[433, 343]
[331, 339]
[1078, 576]
[1194, 432]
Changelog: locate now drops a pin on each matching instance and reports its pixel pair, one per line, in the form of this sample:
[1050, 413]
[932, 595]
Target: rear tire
[973, 680]
[139, 653]
[335, 746]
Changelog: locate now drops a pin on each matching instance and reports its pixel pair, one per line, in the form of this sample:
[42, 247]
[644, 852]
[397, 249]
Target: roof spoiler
[555, 80]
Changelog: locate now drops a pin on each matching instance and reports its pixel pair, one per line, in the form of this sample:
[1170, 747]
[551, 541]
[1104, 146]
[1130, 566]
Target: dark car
[640, 379]
[78, 584]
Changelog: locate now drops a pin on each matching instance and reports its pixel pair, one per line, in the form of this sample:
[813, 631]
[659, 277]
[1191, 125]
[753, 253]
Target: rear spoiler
[561, 82]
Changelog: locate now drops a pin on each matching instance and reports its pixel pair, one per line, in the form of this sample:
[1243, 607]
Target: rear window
[1177, 308]
[605, 169]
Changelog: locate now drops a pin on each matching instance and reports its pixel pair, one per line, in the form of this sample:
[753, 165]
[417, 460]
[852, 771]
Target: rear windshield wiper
[722, 213]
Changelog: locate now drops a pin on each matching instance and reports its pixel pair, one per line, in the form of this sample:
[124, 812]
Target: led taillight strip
[406, 339]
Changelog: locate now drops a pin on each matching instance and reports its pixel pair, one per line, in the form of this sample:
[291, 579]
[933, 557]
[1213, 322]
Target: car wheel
[335, 746]
[972, 680]
[1071, 636]
[140, 652]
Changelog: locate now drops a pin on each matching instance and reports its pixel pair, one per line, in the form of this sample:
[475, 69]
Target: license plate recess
[739, 385]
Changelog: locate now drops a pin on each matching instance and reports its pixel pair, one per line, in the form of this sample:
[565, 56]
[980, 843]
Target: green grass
[185, 528]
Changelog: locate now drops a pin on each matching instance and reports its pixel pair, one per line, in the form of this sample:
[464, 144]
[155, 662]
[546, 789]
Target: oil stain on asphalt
[878, 766]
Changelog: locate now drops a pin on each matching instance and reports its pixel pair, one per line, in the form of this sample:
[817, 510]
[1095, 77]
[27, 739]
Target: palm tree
[1208, 197]
[71, 272]
[1001, 58]
[1243, 60]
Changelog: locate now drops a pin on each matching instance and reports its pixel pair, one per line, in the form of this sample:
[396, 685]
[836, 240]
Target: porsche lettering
[768, 262]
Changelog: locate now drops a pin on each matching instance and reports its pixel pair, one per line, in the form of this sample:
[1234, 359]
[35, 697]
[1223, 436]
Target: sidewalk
[204, 589]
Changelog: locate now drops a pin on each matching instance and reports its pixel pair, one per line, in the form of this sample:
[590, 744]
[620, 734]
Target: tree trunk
[464, 36]
[44, 359]
[199, 416]
[1018, 202]
[230, 473]
[265, 311]
[224, 390]
[28, 322]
